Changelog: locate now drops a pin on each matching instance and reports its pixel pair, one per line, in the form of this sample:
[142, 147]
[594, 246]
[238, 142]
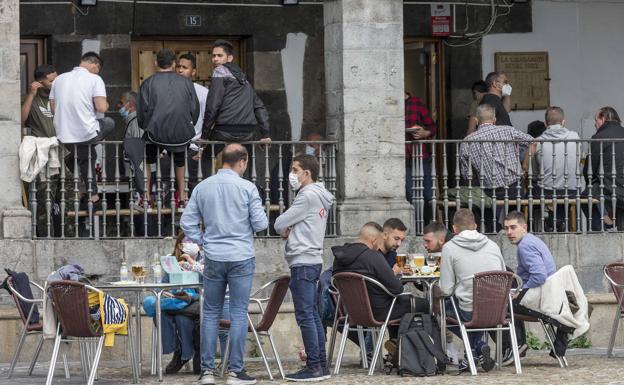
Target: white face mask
[293, 179]
[310, 150]
[190, 248]
[506, 90]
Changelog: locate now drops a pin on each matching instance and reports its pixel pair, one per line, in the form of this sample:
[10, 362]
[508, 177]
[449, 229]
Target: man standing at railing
[607, 165]
[303, 228]
[556, 165]
[168, 111]
[78, 101]
[187, 67]
[486, 158]
[230, 209]
[418, 126]
[233, 110]
[498, 96]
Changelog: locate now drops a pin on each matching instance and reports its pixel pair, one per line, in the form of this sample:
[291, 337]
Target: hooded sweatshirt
[308, 218]
[358, 258]
[468, 253]
[561, 163]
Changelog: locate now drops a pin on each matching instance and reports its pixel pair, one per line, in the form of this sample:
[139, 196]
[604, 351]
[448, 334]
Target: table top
[133, 286]
[420, 277]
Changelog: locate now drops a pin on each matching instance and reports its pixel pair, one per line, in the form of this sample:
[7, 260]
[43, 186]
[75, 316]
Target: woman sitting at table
[180, 315]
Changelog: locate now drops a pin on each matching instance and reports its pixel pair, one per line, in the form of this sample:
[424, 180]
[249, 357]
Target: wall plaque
[529, 77]
[193, 20]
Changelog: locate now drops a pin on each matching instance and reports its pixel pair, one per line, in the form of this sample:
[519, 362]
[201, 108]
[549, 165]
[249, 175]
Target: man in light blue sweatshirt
[303, 228]
[535, 265]
[231, 211]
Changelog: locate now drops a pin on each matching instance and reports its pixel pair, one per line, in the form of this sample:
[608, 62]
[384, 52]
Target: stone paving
[586, 367]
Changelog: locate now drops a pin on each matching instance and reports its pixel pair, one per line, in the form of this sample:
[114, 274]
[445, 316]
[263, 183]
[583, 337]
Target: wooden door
[32, 54]
[143, 53]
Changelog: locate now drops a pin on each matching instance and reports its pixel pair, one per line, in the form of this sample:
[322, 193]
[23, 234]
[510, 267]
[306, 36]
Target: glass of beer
[139, 272]
[418, 260]
[401, 260]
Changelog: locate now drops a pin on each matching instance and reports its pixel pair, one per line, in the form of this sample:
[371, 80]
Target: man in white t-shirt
[78, 99]
[187, 67]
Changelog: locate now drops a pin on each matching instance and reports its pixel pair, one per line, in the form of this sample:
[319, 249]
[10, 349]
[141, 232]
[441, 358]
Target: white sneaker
[207, 378]
[240, 378]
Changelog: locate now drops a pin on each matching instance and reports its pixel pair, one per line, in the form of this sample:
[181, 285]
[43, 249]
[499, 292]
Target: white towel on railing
[551, 299]
[37, 155]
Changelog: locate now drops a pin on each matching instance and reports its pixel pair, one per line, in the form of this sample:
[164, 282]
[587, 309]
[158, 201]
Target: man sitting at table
[434, 237]
[467, 254]
[363, 258]
[393, 234]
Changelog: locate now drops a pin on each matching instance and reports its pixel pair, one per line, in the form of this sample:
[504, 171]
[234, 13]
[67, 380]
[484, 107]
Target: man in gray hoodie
[303, 228]
[467, 254]
[557, 161]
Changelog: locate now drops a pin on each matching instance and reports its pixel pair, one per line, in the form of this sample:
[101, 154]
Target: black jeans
[86, 156]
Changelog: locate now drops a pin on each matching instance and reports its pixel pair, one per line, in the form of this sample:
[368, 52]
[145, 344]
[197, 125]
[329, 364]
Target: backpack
[419, 351]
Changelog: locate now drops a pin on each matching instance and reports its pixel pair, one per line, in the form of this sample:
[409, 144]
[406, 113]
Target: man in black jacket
[363, 258]
[168, 111]
[233, 110]
[608, 126]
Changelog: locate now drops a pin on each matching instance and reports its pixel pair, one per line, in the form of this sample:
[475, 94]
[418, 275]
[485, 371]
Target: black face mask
[44, 92]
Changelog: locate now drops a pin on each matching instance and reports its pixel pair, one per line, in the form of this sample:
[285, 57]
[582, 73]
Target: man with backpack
[467, 254]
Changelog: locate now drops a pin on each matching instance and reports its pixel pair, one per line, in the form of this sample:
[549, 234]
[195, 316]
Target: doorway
[32, 55]
[143, 54]
[424, 77]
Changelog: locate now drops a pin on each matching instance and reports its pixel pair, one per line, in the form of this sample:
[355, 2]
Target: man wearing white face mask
[498, 96]
[303, 227]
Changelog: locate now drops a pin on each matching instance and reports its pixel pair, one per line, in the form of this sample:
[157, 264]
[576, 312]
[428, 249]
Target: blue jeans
[303, 282]
[475, 338]
[176, 329]
[239, 277]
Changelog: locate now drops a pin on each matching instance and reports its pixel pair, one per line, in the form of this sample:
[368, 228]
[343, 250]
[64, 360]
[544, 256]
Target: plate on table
[122, 283]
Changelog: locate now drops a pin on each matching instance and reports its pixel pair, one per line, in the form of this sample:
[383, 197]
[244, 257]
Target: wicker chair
[263, 328]
[353, 291]
[71, 307]
[614, 272]
[490, 308]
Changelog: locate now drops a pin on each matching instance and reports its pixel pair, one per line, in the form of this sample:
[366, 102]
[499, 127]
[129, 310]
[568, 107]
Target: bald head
[486, 114]
[234, 156]
[369, 234]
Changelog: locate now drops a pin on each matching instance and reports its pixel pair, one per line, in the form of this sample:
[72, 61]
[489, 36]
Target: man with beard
[394, 232]
[36, 112]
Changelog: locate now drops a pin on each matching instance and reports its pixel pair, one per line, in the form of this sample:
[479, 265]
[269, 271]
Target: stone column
[365, 109]
[15, 218]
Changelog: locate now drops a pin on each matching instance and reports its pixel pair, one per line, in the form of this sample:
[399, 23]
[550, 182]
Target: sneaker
[463, 365]
[307, 375]
[176, 363]
[326, 373]
[485, 359]
[207, 378]
[508, 357]
[240, 378]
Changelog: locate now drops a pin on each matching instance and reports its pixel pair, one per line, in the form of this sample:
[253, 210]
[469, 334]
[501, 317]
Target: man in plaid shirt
[418, 120]
[500, 162]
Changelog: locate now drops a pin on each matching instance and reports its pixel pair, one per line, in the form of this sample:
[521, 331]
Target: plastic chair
[491, 295]
[29, 328]
[354, 297]
[71, 307]
[263, 328]
[614, 272]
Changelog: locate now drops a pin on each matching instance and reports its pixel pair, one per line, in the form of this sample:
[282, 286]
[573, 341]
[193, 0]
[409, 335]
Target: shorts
[151, 151]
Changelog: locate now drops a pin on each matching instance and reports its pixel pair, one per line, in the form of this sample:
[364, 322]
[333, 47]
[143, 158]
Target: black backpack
[420, 352]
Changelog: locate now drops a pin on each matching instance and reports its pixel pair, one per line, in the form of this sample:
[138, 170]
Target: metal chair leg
[614, 328]
[96, 360]
[332, 342]
[35, 356]
[514, 347]
[133, 358]
[153, 352]
[65, 364]
[83, 360]
[18, 350]
[225, 358]
[343, 341]
[499, 348]
[363, 351]
[264, 358]
[57, 344]
[379, 342]
[468, 350]
[279, 362]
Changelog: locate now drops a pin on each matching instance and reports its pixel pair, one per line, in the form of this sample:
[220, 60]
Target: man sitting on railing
[490, 157]
[555, 163]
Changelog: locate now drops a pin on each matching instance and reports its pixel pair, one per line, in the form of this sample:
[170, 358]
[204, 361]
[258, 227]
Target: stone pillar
[365, 109]
[15, 218]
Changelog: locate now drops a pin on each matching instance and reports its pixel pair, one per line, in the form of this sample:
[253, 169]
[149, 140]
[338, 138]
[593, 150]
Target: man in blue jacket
[231, 211]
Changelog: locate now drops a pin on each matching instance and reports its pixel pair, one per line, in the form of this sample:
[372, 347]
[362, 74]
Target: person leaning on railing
[610, 154]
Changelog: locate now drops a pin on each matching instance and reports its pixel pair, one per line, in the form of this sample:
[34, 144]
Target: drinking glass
[401, 260]
[418, 260]
[431, 261]
[139, 272]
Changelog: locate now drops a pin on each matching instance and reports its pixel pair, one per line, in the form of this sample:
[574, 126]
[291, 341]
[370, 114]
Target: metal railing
[561, 186]
[128, 207]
